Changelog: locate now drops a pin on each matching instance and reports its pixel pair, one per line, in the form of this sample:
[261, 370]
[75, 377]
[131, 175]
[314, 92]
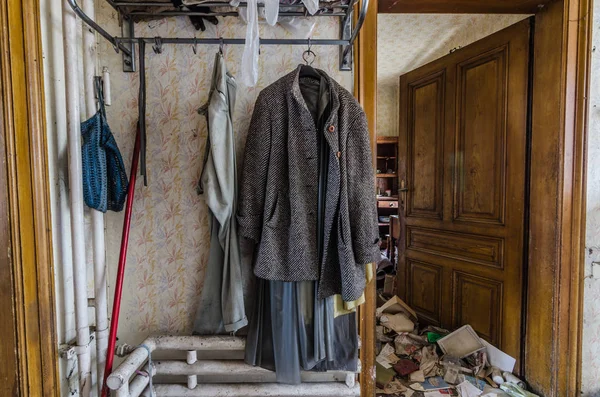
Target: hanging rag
[251, 47]
[222, 298]
[104, 177]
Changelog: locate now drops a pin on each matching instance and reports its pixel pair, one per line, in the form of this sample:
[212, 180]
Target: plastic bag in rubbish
[250, 55]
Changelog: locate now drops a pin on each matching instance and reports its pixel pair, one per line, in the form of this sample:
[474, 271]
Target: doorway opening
[454, 116]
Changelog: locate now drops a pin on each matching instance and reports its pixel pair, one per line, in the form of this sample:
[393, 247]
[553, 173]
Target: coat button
[339, 154]
[331, 128]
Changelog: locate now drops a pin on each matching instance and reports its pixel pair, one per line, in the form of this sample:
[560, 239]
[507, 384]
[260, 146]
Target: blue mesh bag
[104, 177]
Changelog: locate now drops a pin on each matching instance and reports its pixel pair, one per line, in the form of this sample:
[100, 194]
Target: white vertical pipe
[192, 380]
[192, 357]
[106, 81]
[76, 199]
[100, 290]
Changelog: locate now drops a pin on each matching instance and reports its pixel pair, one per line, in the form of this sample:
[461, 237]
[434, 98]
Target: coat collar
[332, 138]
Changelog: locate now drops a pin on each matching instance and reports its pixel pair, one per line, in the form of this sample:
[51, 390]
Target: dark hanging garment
[292, 329]
[279, 194]
[104, 176]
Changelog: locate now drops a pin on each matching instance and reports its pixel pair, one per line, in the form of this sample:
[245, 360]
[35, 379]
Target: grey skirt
[291, 330]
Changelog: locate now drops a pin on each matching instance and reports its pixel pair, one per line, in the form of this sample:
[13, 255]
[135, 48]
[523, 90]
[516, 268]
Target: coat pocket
[280, 214]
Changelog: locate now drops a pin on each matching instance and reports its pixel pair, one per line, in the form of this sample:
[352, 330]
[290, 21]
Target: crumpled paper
[397, 322]
[417, 376]
[394, 387]
[409, 344]
[467, 389]
[386, 357]
[429, 361]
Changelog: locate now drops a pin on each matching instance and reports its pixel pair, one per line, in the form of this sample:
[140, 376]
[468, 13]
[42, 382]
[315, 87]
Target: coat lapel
[332, 137]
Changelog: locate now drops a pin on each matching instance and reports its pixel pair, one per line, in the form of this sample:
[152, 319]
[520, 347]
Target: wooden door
[463, 144]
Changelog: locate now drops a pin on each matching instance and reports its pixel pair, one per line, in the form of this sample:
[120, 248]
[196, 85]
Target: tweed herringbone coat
[279, 189]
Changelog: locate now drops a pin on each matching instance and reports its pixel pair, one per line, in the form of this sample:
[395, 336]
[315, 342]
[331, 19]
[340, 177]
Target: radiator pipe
[76, 202]
[100, 299]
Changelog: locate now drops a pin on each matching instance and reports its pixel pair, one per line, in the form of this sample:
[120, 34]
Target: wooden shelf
[387, 159]
[387, 139]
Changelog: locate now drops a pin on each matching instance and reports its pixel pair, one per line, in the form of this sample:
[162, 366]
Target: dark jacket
[278, 195]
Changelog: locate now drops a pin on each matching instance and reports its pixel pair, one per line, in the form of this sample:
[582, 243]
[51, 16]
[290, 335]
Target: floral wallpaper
[169, 240]
[407, 41]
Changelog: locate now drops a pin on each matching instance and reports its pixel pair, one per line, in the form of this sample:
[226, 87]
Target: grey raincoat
[222, 299]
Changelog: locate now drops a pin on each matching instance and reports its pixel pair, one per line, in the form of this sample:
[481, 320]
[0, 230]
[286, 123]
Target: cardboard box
[396, 305]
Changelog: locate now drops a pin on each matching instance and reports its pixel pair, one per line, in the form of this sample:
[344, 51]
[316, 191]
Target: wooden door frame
[554, 296]
[29, 359]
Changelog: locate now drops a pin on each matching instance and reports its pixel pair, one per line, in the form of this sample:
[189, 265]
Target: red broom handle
[114, 323]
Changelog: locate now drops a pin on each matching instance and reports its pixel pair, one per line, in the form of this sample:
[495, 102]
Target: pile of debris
[433, 362]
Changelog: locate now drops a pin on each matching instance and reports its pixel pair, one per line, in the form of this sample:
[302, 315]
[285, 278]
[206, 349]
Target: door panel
[467, 247]
[480, 164]
[425, 142]
[463, 134]
[425, 289]
[478, 303]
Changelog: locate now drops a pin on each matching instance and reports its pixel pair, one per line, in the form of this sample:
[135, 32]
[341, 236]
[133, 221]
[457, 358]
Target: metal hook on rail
[221, 44]
[117, 44]
[157, 47]
[306, 55]
[195, 46]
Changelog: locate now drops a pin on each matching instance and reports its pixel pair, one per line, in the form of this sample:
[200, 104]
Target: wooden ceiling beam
[460, 6]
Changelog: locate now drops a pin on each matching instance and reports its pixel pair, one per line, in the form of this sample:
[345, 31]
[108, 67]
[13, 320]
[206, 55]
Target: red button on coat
[331, 128]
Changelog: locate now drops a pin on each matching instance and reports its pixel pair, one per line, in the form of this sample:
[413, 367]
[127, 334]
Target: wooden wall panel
[10, 359]
[559, 115]
[31, 300]
[365, 89]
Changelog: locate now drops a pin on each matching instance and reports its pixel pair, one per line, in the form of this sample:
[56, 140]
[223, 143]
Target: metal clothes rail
[347, 36]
